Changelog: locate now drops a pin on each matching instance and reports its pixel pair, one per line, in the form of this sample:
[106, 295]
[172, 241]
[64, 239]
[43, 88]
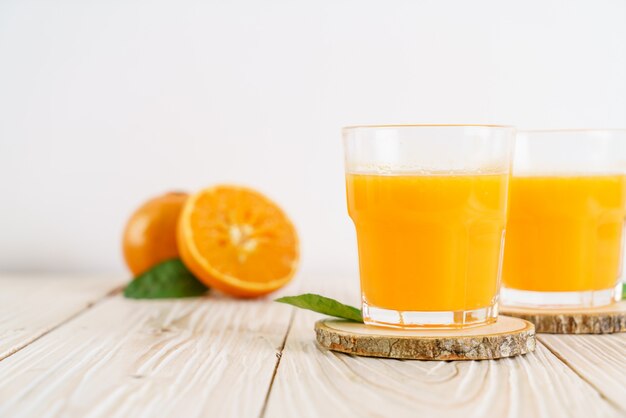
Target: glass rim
[566, 130]
[427, 125]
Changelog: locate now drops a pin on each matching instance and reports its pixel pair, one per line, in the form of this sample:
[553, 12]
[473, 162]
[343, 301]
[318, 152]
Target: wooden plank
[32, 306]
[315, 383]
[198, 357]
[599, 359]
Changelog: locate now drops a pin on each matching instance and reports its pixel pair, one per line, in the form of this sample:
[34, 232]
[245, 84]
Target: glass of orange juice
[429, 206]
[567, 205]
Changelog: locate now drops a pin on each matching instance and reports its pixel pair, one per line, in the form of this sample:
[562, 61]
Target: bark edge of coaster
[507, 337]
[602, 320]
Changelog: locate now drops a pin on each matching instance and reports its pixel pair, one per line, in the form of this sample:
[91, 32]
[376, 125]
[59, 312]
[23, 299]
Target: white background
[106, 103]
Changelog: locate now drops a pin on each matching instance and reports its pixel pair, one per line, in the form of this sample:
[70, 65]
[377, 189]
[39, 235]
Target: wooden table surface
[74, 347]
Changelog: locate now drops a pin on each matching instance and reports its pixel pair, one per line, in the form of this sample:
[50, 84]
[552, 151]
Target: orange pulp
[564, 233]
[429, 242]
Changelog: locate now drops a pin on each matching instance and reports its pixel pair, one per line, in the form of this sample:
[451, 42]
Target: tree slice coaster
[601, 320]
[506, 337]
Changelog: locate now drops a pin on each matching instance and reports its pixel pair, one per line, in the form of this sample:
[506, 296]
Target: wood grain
[507, 337]
[312, 382]
[190, 358]
[602, 320]
[598, 359]
[30, 307]
[222, 357]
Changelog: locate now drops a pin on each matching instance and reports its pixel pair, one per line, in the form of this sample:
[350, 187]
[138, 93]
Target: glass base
[428, 319]
[581, 299]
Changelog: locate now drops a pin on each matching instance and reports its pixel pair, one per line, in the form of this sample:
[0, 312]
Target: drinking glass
[429, 206]
[564, 239]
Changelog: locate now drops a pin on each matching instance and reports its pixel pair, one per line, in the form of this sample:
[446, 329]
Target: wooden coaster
[506, 338]
[602, 320]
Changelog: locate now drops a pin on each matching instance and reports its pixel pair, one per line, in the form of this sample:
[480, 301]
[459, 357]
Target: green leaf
[169, 279]
[323, 305]
[624, 291]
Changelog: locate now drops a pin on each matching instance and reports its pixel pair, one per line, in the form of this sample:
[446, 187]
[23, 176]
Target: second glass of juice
[429, 206]
[566, 218]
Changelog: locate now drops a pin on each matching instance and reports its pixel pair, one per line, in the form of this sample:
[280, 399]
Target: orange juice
[564, 233]
[428, 242]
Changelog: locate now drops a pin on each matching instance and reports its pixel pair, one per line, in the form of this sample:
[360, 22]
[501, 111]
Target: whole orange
[150, 233]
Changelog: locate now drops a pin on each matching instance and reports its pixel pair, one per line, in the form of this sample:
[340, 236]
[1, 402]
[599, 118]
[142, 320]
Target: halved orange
[238, 241]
